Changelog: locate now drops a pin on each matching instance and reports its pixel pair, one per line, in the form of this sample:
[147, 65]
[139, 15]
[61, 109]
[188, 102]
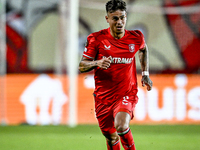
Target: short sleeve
[142, 44]
[90, 48]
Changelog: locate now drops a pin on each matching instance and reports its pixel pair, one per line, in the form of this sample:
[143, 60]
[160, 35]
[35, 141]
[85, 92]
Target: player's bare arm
[144, 62]
[87, 65]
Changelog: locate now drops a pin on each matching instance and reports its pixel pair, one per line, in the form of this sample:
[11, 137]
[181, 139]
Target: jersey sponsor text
[119, 60]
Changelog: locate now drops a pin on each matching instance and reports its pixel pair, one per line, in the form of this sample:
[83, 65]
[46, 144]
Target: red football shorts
[106, 113]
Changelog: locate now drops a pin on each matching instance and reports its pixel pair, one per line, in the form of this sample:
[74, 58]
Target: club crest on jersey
[131, 47]
[107, 47]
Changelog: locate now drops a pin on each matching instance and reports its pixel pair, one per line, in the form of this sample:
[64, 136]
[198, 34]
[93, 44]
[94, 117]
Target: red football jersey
[120, 78]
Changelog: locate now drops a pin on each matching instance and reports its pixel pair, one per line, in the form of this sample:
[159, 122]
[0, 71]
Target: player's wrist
[145, 73]
[96, 63]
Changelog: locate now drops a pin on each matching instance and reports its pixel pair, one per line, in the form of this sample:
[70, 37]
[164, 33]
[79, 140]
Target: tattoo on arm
[87, 65]
[143, 57]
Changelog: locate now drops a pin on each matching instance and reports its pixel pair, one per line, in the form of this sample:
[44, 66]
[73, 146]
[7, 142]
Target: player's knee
[121, 127]
[112, 141]
[112, 138]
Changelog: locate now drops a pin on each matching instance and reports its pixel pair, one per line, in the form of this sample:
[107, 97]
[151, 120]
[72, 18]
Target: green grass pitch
[89, 137]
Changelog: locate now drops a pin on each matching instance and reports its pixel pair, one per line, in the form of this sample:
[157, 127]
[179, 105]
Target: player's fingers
[143, 84]
[109, 57]
[150, 84]
[148, 88]
[107, 60]
[105, 65]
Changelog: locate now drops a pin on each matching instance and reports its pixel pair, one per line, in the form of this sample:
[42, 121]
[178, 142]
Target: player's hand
[104, 63]
[147, 81]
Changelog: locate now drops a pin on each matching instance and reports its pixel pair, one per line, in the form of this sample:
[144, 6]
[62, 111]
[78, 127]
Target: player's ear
[106, 18]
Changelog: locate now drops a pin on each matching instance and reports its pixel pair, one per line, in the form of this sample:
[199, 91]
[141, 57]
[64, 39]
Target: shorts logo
[131, 47]
[124, 101]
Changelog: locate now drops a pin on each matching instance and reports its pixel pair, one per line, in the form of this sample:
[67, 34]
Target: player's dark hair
[114, 5]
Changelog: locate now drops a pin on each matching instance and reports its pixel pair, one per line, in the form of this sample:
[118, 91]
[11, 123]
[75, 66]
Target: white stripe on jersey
[88, 56]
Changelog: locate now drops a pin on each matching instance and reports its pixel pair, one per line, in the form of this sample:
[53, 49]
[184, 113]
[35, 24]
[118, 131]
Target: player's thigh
[105, 118]
[126, 104]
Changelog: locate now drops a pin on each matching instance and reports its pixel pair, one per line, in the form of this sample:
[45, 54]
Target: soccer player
[111, 53]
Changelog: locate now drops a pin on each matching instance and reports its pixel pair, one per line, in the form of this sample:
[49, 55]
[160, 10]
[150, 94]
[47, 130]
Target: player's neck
[117, 36]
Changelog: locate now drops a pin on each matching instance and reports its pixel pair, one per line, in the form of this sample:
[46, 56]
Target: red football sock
[115, 146]
[127, 139]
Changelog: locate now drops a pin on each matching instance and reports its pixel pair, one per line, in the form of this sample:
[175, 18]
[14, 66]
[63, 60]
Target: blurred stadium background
[42, 42]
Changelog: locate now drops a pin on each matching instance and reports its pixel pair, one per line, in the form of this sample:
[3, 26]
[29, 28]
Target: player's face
[117, 22]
